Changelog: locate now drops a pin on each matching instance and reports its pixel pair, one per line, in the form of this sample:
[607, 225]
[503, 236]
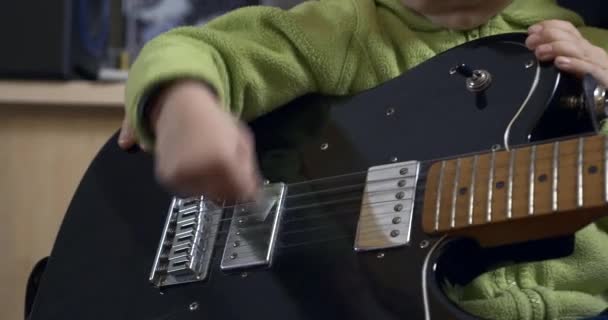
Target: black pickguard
[102, 257]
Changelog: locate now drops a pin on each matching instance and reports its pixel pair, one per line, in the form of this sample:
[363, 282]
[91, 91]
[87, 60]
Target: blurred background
[63, 64]
[94, 39]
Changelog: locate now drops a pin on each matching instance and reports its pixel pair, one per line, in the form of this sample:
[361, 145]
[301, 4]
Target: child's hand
[200, 148]
[126, 138]
[560, 40]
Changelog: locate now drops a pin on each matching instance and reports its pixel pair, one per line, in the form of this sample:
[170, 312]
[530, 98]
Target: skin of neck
[457, 14]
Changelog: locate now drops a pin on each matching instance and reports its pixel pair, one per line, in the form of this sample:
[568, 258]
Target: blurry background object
[593, 11]
[59, 39]
[94, 39]
[90, 34]
[146, 19]
[36, 39]
[98, 39]
[285, 4]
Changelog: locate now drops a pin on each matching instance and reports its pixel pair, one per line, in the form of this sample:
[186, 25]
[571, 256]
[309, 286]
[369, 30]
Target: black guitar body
[101, 261]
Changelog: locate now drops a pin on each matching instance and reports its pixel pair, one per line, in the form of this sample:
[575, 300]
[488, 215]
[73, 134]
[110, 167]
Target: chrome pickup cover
[186, 243]
[387, 206]
[253, 230]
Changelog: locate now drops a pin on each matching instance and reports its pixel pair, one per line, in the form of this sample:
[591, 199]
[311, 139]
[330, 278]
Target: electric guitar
[478, 156]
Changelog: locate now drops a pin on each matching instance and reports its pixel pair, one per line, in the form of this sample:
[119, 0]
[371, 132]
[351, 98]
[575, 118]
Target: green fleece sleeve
[255, 58]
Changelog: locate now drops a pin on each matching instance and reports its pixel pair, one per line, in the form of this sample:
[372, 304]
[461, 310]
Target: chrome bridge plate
[387, 206]
[253, 230]
[187, 241]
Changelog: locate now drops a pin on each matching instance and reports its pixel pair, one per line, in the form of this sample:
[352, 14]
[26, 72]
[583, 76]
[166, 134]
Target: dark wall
[595, 12]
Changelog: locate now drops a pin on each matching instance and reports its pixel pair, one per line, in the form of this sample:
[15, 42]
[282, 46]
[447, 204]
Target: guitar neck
[523, 194]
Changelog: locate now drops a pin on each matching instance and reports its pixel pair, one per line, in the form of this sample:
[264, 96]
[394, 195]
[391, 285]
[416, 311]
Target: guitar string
[321, 204]
[517, 176]
[217, 257]
[359, 174]
[350, 235]
[375, 228]
[251, 241]
[330, 214]
[282, 233]
[281, 245]
[563, 163]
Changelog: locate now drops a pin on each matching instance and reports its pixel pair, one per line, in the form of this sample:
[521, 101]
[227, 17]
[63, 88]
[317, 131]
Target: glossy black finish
[102, 257]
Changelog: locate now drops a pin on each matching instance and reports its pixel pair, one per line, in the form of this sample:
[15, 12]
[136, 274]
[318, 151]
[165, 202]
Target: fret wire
[555, 176]
[490, 187]
[455, 194]
[438, 201]
[606, 168]
[472, 189]
[579, 179]
[510, 187]
[532, 180]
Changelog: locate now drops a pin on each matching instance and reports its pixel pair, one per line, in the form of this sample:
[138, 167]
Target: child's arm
[255, 58]
[245, 64]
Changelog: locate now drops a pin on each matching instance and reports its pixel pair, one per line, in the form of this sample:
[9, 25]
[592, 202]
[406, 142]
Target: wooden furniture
[49, 133]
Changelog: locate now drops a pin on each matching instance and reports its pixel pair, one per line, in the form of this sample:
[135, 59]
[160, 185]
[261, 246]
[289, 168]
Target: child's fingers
[549, 51]
[126, 138]
[548, 36]
[581, 51]
[555, 24]
[581, 67]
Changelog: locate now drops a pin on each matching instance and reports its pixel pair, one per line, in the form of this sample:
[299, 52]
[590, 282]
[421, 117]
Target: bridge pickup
[253, 231]
[187, 241]
[387, 206]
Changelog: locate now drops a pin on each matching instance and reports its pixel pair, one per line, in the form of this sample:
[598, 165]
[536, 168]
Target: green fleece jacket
[259, 58]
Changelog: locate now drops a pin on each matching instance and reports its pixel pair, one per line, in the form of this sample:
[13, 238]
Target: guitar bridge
[187, 241]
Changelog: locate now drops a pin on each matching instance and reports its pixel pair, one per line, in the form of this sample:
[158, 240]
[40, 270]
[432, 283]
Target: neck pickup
[528, 193]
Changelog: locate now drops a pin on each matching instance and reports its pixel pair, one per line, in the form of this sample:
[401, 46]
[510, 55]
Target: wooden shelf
[67, 93]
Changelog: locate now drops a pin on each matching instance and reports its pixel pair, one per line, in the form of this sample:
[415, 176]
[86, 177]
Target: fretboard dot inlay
[592, 170]
[510, 186]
